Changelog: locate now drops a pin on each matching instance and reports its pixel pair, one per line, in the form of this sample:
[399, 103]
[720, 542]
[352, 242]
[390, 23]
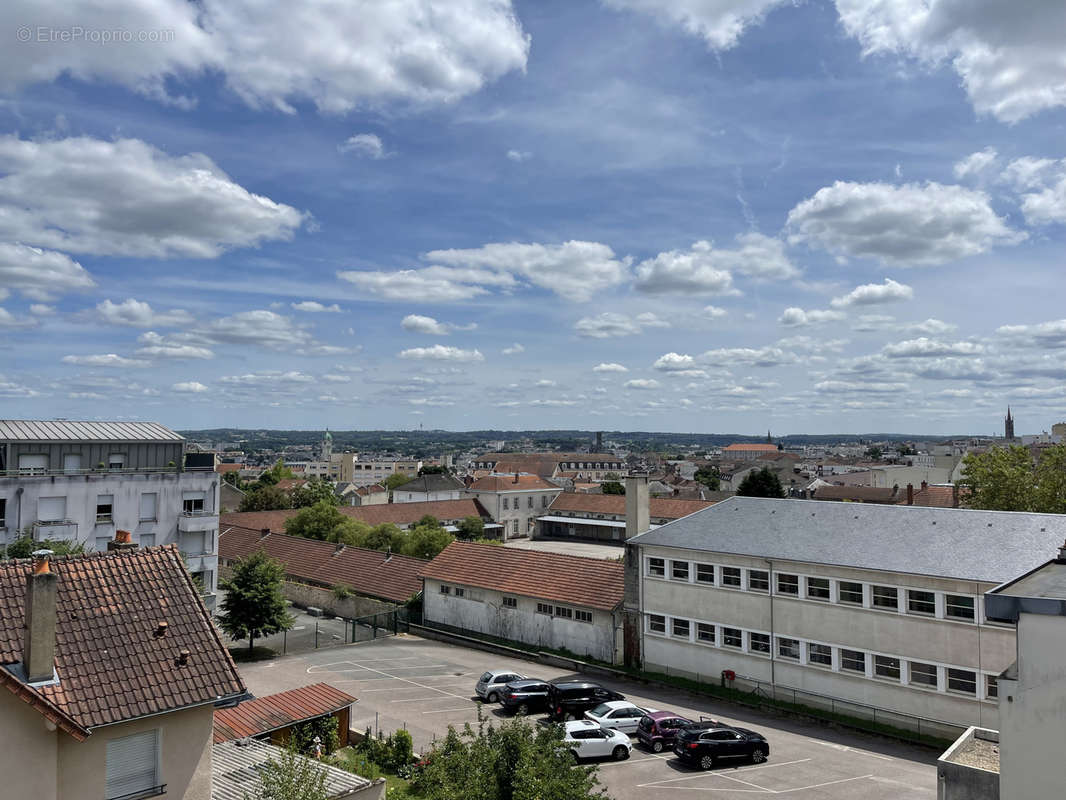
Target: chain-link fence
[315, 633]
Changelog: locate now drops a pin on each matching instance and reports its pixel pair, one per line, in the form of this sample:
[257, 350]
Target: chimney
[924, 485]
[637, 515]
[954, 495]
[910, 494]
[1062, 553]
[263, 533]
[39, 639]
[515, 478]
[122, 541]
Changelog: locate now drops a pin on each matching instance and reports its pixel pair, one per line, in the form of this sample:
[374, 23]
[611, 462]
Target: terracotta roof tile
[591, 582]
[862, 494]
[396, 513]
[659, 508]
[750, 448]
[937, 496]
[266, 714]
[110, 664]
[507, 483]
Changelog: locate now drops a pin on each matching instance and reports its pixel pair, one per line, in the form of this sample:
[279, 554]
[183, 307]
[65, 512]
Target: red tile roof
[507, 483]
[858, 494]
[367, 572]
[266, 714]
[396, 513]
[228, 467]
[111, 665]
[590, 582]
[937, 496]
[658, 507]
[750, 448]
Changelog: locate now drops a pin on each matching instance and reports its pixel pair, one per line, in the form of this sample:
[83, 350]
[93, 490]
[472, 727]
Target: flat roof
[608, 523]
[236, 766]
[1040, 591]
[62, 430]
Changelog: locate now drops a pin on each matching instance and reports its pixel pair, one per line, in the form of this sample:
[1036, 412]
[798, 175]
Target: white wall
[525, 516]
[427, 497]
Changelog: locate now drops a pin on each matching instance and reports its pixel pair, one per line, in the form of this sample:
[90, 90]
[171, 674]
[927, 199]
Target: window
[657, 567]
[991, 687]
[149, 502]
[818, 588]
[850, 592]
[886, 667]
[854, 660]
[759, 643]
[788, 648]
[758, 580]
[705, 573]
[505, 504]
[195, 544]
[788, 584]
[3, 513]
[656, 623]
[680, 628]
[885, 597]
[962, 680]
[147, 540]
[116, 461]
[544, 501]
[72, 463]
[731, 576]
[459, 591]
[544, 608]
[51, 509]
[514, 527]
[705, 633]
[33, 464]
[529, 501]
[132, 764]
[510, 602]
[679, 570]
[732, 637]
[923, 674]
[583, 616]
[820, 654]
[564, 612]
[193, 504]
[445, 589]
[959, 607]
[921, 602]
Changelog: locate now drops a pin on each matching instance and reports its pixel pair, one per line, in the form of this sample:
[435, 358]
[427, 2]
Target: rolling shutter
[132, 764]
[51, 509]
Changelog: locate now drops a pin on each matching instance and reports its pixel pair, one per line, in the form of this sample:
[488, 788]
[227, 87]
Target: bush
[393, 753]
[325, 728]
[342, 591]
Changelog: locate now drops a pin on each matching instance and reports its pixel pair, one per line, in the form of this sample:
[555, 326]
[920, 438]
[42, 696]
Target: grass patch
[355, 762]
[244, 655]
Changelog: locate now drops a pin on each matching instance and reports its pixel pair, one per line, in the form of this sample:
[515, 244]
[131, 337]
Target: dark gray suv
[525, 697]
[571, 699]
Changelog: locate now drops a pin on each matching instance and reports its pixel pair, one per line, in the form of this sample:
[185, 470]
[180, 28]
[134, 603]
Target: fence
[310, 633]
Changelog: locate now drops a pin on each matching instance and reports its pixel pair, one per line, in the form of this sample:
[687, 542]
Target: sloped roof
[431, 483]
[507, 483]
[750, 448]
[937, 496]
[660, 507]
[590, 582]
[235, 769]
[861, 494]
[367, 572]
[266, 714]
[396, 513]
[39, 430]
[111, 665]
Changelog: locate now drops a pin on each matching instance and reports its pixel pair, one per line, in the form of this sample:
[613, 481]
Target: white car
[586, 739]
[620, 715]
[491, 685]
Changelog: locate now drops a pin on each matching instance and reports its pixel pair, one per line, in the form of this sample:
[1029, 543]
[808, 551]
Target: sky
[676, 215]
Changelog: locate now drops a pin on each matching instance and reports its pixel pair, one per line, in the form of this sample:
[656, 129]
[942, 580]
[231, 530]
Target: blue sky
[691, 215]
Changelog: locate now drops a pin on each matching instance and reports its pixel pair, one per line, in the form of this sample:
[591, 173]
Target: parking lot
[425, 686]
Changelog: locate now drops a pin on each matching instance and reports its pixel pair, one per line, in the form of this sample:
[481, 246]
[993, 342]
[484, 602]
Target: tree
[426, 541]
[316, 522]
[612, 487]
[325, 728]
[761, 483]
[470, 528]
[316, 491]
[292, 777]
[254, 606]
[1049, 495]
[267, 498]
[874, 453]
[1007, 479]
[432, 471]
[24, 546]
[709, 477]
[232, 478]
[394, 480]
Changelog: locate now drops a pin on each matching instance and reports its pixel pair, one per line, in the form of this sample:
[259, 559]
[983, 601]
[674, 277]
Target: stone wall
[304, 595]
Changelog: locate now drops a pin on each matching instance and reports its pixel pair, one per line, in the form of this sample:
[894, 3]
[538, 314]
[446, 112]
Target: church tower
[1008, 426]
[327, 446]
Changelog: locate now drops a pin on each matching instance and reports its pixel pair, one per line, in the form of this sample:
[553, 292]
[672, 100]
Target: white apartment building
[514, 501]
[83, 481]
[877, 605]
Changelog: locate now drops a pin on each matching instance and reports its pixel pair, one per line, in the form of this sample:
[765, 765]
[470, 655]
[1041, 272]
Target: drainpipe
[18, 513]
[773, 638]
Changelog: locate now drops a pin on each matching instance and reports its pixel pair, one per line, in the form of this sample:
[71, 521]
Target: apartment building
[83, 481]
[575, 467]
[514, 501]
[878, 605]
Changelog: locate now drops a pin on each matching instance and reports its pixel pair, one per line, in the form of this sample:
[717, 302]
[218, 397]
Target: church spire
[1008, 425]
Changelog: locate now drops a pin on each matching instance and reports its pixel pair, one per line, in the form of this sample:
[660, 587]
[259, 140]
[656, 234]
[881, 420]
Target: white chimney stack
[637, 515]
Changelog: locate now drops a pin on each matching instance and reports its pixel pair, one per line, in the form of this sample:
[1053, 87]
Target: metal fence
[315, 633]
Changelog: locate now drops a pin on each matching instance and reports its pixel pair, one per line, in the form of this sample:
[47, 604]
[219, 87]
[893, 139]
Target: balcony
[197, 521]
[57, 530]
[200, 562]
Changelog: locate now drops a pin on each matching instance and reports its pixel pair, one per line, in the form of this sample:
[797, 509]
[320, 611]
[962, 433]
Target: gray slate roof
[993, 546]
[432, 483]
[235, 771]
[43, 430]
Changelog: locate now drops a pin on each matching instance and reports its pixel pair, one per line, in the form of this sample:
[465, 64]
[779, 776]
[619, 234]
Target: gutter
[227, 701]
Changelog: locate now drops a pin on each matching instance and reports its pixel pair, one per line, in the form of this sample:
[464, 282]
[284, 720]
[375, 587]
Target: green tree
[432, 471]
[1049, 494]
[394, 480]
[761, 483]
[325, 728]
[425, 541]
[253, 605]
[709, 477]
[292, 777]
[352, 532]
[24, 546]
[232, 478]
[874, 453]
[316, 491]
[1001, 479]
[266, 498]
[612, 487]
[385, 536]
[470, 528]
[316, 522]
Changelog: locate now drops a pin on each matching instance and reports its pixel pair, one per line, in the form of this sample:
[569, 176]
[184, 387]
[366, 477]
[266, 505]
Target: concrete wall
[304, 595]
[427, 497]
[29, 755]
[958, 781]
[482, 611]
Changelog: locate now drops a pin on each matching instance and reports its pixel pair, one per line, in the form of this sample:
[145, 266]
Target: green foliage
[291, 777]
[470, 528]
[24, 546]
[483, 540]
[709, 477]
[393, 753]
[325, 728]
[612, 487]
[265, 498]
[1049, 494]
[394, 480]
[253, 605]
[432, 471]
[874, 453]
[342, 591]
[761, 483]
[1007, 479]
[316, 491]
[319, 521]
[232, 478]
[425, 541]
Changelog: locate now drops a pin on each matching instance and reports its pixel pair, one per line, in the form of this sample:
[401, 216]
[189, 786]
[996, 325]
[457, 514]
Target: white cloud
[809, 344]
[873, 322]
[428, 325]
[908, 225]
[42, 310]
[313, 307]
[137, 314]
[332, 378]
[9, 389]
[874, 293]
[337, 54]
[714, 312]
[430, 285]
[439, 352]
[975, 163]
[125, 197]
[796, 317]
[513, 350]
[642, 383]
[519, 156]
[1043, 334]
[1042, 183]
[861, 387]
[674, 362]
[265, 329]
[39, 274]
[931, 327]
[268, 379]
[703, 269]
[105, 360]
[611, 324]
[189, 387]
[1009, 58]
[367, 145]
[153, 345]
[748, 356]
[719, 23]
[609, 367]
[9, 320]
[924, 347]
[545, 384]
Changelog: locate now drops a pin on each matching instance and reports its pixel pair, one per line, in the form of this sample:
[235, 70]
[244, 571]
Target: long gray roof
[994, 546]
[46, 430]
[432, 483]
[235, 771]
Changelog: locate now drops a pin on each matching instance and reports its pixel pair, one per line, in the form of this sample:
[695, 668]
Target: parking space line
[820, 785]
[743, 769]
[847, 749]
[405, 680]
[746, 783]
[420, 699]
[446, 710]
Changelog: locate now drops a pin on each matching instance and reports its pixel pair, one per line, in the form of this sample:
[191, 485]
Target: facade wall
[427, 497]
[945, 646]
[136, 455]
[519, 518]
[482, 611]
[29, 756]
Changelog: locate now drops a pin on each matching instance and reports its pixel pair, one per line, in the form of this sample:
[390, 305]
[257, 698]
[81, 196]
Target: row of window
[38, 464]
[54, 509]
[955, 680]
[920, 602]
[517, 502]
[565, 612]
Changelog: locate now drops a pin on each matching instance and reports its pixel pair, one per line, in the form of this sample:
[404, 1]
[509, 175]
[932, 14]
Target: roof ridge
[539, 553]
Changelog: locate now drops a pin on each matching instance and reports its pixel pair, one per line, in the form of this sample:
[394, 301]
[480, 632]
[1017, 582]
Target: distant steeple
[1008, 425]
[769, 438]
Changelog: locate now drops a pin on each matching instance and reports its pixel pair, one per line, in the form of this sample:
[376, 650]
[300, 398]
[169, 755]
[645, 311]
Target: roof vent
[160, 630]
[183, 658]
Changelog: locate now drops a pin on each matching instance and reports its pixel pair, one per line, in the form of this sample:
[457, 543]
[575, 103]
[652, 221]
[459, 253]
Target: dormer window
[116, 461]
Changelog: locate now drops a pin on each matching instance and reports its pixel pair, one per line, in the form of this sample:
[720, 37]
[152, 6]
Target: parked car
[657, 730]
[618, 714]
[490, 685]
[571, 699]
[586, 739]
[707, 747]
[525, 696]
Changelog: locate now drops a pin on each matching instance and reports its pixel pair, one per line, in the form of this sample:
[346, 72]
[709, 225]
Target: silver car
[491, 685]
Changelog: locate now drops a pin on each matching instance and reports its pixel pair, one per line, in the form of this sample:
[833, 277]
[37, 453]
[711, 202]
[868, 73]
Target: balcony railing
[55, 529]
[34, 472]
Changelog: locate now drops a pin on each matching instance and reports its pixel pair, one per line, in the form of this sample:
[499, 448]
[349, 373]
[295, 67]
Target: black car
[708, 747]
[571, 699]
[524, 697]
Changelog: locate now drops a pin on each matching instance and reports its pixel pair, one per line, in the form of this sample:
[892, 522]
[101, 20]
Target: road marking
[847, 749]
[394, 677]
[446, 710]
[420, 699]
[705, 774]
[820, 785]
[746, 783]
